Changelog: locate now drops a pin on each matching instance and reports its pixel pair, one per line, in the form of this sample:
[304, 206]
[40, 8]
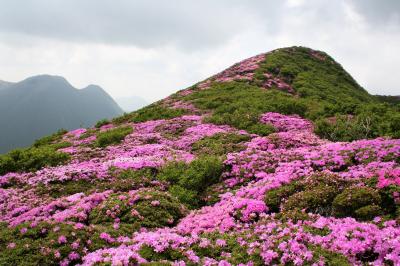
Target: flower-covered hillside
[232, 171]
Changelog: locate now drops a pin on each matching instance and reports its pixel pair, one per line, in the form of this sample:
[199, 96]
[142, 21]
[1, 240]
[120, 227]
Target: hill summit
[40, 105]
[282, 159]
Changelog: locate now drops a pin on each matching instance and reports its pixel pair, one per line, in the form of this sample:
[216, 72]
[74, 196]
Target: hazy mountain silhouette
[41, 105]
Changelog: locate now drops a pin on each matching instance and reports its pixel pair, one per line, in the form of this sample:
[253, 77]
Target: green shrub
[316, 200]
[156, 112]
[70, 187]
[140, 212]
[47, 140]
[32, 159]
[112, 136]
[148, 253]
[329, 195]
[173, 129]
[190, 180]
[345, 128]
[274, 197]
[330, 258]
[188, 197]
[240, 105]
[352, 199]
[29, 246]
[119, 181]
[369, 212]
[101, 123]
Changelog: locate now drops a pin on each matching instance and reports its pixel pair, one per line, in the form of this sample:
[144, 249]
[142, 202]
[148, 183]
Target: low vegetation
[112, 136]
[189, 181]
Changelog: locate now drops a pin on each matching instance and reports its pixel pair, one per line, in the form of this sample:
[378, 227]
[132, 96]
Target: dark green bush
[330, 258]
[101, 123]
[220, 144]
[274, 197]
[173, 129]
[316, 200]
[47, 140]
[32, 159]
[330, 195]
[345, 128]
[29, 246]
[155, 112]
[119, 181]
[190, 180]
[112, 136]
[369, 212]
[166, 213]
[352, 199]
[240, 105]
[169, 254]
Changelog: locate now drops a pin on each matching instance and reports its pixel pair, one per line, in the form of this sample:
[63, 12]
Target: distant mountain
[41, 105]
[4, 84]
[132, 103]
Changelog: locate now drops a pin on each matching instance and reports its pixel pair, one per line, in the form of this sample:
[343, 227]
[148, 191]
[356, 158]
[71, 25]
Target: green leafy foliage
[150, 208]
[101, 123]
[220, 144]
[121, 181]
[18, 247]
[170, 254]
[359, 202]
[112, 136]
[329, 195]
[154, 111]
[32, 159]
[240, 105]
[49, 140]
[189, 181]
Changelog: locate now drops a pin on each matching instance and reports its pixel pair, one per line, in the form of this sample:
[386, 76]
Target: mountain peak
[46, 83]
[295, 70]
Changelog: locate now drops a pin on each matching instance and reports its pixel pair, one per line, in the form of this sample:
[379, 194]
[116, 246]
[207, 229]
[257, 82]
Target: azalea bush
[143, 208]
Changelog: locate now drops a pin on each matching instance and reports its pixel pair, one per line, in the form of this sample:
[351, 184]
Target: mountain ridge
[43, 104]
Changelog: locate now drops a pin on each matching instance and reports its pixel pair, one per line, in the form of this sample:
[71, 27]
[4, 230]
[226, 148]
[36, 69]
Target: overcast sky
[153, 48]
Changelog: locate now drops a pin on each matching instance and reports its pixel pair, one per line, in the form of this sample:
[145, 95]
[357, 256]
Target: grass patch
[112, 136]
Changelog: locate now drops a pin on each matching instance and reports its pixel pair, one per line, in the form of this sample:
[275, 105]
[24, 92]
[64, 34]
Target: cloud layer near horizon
[152, 48]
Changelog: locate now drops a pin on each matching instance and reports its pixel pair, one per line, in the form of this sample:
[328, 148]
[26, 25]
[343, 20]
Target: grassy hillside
[273, 161]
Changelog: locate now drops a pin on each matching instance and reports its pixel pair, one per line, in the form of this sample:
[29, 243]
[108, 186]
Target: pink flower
[62, 239]
[155, 203]
[220, 242]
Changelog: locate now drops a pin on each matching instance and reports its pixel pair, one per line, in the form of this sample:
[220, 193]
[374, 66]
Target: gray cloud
[152, 48]
[143, 23]
[379, 11]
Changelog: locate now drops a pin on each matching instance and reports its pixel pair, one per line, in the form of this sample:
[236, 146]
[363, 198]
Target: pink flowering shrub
[184, 191]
